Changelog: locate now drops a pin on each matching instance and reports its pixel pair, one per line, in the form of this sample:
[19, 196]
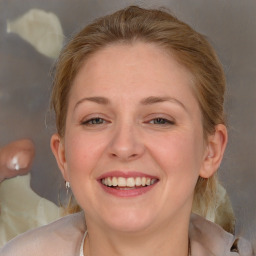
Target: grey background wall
[25, 83]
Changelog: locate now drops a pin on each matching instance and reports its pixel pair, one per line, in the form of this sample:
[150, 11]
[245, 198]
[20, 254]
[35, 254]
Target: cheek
[82, 157]
[178, 154]
[83, 153]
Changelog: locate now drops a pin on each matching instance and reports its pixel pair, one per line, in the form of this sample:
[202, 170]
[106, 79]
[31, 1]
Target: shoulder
[62, 237]
[208, 239]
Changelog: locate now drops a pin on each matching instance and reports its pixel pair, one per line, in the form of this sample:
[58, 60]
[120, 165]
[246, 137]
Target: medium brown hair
[189, 47]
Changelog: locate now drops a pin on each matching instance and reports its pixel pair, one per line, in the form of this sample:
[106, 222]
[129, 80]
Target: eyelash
[161, 121]
[100, 121]
[94, 121]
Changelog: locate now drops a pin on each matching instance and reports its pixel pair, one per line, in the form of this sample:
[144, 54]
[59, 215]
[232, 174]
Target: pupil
[160, 121]
[96, 121]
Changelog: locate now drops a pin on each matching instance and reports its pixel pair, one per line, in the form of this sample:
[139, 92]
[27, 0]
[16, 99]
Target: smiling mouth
[128, 183]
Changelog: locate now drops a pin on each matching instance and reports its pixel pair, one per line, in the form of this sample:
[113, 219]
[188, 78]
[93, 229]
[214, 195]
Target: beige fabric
[22, 209]
[209, 239]
[61, 238]
[41, 29]
[64, 238]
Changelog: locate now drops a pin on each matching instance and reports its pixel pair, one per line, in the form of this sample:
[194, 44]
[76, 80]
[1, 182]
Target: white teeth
[109, 181]
[152, 181]
[138, 181]
[114, 181]
[121, 182]
[128, 182]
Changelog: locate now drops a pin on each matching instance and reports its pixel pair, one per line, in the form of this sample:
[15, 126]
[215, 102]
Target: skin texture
[131, 109]
[18, 154]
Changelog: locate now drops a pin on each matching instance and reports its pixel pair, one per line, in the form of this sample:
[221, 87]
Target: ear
[216, 146]
[58, 149]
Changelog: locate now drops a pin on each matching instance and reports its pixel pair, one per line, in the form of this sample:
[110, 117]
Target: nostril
[124, 147]
[124, 156]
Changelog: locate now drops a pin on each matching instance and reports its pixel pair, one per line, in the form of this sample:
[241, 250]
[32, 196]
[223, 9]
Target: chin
[129, 221]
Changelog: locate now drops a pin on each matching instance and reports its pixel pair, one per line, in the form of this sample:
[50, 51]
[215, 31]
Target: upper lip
[125, 174]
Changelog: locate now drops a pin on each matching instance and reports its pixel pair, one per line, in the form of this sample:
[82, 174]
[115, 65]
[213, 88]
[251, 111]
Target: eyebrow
[153, 100]
[97, 99]
[147, 101]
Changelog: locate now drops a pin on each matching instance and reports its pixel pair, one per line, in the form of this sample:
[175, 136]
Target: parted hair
[190, 48]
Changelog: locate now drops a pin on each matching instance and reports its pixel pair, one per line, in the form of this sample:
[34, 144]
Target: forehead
[138, 64]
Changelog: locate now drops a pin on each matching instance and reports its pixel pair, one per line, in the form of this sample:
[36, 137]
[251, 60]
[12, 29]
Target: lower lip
[127, 192]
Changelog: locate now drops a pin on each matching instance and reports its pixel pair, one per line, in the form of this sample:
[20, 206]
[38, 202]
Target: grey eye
[94, 121]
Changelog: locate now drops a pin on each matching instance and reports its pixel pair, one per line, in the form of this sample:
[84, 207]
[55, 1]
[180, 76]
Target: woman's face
[133, 147]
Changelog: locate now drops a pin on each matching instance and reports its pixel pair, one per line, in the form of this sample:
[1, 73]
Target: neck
[165, 240]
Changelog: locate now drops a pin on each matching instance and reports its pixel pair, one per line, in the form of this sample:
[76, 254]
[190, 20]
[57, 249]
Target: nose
[126, 143]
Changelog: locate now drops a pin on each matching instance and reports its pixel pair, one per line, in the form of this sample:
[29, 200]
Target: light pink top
[64, 238]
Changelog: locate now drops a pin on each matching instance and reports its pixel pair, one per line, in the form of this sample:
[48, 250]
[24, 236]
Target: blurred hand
[16, 158]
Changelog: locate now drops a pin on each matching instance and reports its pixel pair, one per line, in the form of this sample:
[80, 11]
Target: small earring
[67, 184]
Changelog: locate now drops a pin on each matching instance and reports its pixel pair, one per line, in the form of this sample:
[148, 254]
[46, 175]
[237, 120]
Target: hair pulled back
[190, 49]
